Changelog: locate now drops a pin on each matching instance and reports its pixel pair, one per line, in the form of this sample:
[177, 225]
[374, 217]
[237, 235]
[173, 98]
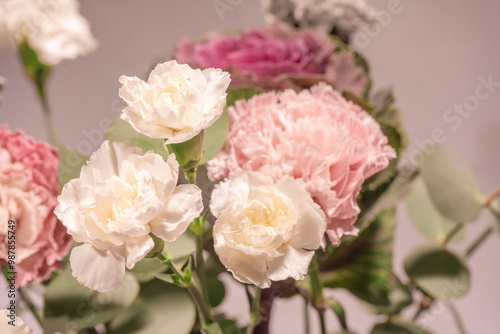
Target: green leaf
[452, 186]
[161, 308]
[70, 164]
[34, 69]
[119, 130]
[397, 327]
[216, 291]
[363, 264]
[70, 306]
[180, 250]
[213, 328]
[426, 217]
[399, 297]
[215, 135]
[437, 272]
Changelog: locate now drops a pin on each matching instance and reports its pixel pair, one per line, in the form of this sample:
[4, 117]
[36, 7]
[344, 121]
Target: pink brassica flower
[276, 56]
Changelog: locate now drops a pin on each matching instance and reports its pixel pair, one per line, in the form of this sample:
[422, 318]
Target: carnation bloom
[327, 143]
[121, 197]
[343, 17]
[28, 196]
[275, 56]
[265, 231]
[19, 328]
[54, 29]
[176, 103]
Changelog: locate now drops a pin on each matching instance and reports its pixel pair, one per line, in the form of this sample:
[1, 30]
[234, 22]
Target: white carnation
[176, 103]
[264, 231]
[53, 28]
[19, 328]
[121, 197]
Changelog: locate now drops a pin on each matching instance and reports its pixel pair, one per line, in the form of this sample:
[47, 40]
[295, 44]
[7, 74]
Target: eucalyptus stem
[47, 118]
[30, 305]
[452, 233]
[491, 197]
[457, 318]
[204, 312]
[478, 242]
[322, 321]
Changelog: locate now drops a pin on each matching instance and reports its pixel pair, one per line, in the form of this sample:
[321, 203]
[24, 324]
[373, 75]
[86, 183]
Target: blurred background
[433, 53]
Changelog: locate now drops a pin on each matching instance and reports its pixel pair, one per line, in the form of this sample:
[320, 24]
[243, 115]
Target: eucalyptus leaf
[452, 186]
[120, 130]
[161, 308]
[215, 135]
[70, 164]
[426, 218]
[363, 264]
[437, 272]
[70, 306]
[397, 327]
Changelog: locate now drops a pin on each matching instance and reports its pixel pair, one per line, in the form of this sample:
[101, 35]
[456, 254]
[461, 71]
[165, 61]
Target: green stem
[47, 118]
[478, 242]
[254, 309]
[322, 321]
[452, 233]
[425, 304]
[306, 316]
[200, 267]
[457, 318]
[204, 312]
[317, 292]
[30, 305]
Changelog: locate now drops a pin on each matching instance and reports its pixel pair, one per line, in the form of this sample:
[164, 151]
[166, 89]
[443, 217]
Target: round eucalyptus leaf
[452, 186]
[437, 272]
[426, 218]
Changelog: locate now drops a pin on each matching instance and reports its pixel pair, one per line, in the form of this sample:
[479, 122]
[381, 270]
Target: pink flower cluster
[28, 196]
[327, 143]
[275, 55]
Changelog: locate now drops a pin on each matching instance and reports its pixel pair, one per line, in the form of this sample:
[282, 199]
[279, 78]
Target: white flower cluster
[53, 28]
[343, 16]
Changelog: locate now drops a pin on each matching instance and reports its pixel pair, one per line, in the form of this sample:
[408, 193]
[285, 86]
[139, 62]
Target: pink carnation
[327, 143]
[28, 195]
[275, 55]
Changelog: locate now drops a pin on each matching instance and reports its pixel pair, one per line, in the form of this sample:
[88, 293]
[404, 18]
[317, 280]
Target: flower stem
[457, 318]
[254, 309]
[478, 242]
[307, 322]
[200, 267]
[47, 118]
[30, 305]
[203, 310]
[317, 292]
[265, 306]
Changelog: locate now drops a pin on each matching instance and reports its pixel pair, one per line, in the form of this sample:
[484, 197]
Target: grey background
[432, 53]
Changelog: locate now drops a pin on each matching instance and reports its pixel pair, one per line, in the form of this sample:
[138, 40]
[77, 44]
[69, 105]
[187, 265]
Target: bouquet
[262, 154]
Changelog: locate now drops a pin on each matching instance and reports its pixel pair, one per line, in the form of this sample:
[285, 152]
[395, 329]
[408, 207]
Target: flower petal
[293, 264]
[183, 206]
[98, 270]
